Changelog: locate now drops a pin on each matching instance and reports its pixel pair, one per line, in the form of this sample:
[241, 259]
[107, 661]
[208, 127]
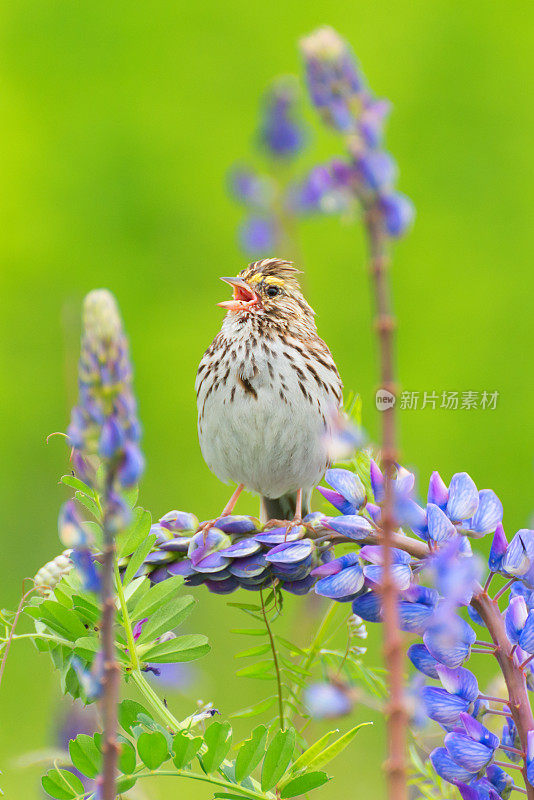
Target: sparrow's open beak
[244, 296]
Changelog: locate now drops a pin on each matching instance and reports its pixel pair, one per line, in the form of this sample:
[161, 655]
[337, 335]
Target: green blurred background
[119, 123]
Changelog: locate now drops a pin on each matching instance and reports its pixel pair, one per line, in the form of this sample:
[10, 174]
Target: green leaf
[84, 755]
[308, 755]
[166, 618]
[125, 783]
[250, 631]
[86, 609]
[131, 495]
[152, 749]
[76, 483]
[245, 606]
[261, 669]
[59, 619]
[128, 712]
[137, 558]
[86, 647]
[61, 784]
[250, 753]
[293, 648]
[303, 783]
[135, 534]
[185, 748]
[277, 758]
[156, 596]
[89, 504]
[183, 648]
[335, 748]
[254, 710]
[127, 758]
[217, 739]
[260, 650]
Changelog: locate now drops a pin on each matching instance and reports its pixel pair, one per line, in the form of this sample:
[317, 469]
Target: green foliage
[251, 753]
[217, 739]
[277, 758]
[426, 782]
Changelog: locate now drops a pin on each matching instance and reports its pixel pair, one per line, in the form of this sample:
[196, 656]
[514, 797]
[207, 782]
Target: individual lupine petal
[132, 465]
[413, 617]
[410, 513]
[510, 738]
[237, 524]
[421, 594]
[440, 528]
[375, 554]
[468, 792]
[530, 757]
[398, 212]
[377, 169]
[515, 618]
[335, 565]
[227, 586]
[290, 553]
[250, 188]
[443, 707]
[463, 497]
[213, 562]
[337, 500]
[455, 576]
[368, 606]
[449, 769]
[450, 640]
[347, 484]
[179, 521]
[328, 700]
[343, 585]
[377, 481]
[480, 789]
[314, 520]
[475, 730]
[438, 493]
[299, 587]
[404, 481]
[488, 514]
[502, 782]
[353, 526]
[400, 573]
[203, 544]
[475, 616]
[526, 638]
[111, 438]
[498, 549]
[460, 681]
[519, 555]
[70, 526]
[85, 564]
[279, 535]
[251, 567]
[242, 548]
[371, 121]
[374, 512]
[423, 660]
[466, 752]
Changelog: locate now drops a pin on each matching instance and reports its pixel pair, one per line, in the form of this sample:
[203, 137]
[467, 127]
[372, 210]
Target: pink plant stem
[526, 661]
[395, 765]
[111, 678]
[504, 588]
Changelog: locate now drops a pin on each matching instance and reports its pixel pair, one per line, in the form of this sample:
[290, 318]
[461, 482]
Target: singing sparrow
[267, 392]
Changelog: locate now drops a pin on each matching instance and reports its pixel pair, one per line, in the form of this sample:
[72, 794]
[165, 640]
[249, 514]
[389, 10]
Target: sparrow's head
[268, 288]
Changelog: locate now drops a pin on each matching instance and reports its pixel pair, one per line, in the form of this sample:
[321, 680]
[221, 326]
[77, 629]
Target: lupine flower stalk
[104, 433]
[339, 91]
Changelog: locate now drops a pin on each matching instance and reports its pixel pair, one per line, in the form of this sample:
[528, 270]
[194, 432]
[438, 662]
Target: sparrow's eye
[272, 291]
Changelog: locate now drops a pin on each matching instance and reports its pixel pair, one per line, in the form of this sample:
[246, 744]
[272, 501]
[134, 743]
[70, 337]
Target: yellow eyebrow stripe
[272, 281]
[254, 278]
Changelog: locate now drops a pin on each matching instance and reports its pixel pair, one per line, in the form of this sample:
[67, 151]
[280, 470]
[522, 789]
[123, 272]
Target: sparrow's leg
[227, 510]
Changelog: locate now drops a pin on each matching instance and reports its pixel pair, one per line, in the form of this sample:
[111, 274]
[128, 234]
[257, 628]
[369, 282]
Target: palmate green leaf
[137, 558]
[135, 534]
[304, 783]
[156, 596]
[127, 758]
[183, 648]
[166, 618]
[62, 784]
[58, 618]
[217, 738]
[260, 650]
[250, 753]
[152, 749]
[85, 755]
[128, 712]
[254, 710]
[277, 758]
[185, 748]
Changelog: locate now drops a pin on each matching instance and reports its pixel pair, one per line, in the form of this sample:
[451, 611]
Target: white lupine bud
[48, 577]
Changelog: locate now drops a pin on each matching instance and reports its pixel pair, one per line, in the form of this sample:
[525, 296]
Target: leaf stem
[126, 622]
[155, 702]
[275, 661]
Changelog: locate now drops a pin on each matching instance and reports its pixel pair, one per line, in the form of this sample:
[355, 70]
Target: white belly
[257, 427]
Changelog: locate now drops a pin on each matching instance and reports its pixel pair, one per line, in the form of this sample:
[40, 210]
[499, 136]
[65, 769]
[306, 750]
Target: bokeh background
[120, 121]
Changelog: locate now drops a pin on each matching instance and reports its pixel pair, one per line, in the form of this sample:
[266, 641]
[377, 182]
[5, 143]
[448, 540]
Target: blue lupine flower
[454, 575]
[526, 637]
[442, 706]
[74, 534]
[423, 660]
[498, 549]
[488, 514]
[368, 606]
[328, 700]
[342, 586]
[518, 560]
[440, 528]
[104, 423]
[468, 753]
[250, 188]
[179, 522]
[349, 485]
[438, 493]
[515, 618]
[463, 497]
[281, 133]
[353, 526]
[460, 682]
[478, 790]
[335, 565]
[258, 234]
[398, 212]
[449, 769]
[400, 569]
[500, 780]
[371, 121]
[449, 638]
[377, 169]
[510, 738]
[83, 560]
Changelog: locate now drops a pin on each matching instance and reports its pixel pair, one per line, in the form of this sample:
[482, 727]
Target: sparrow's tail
[284, 507]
